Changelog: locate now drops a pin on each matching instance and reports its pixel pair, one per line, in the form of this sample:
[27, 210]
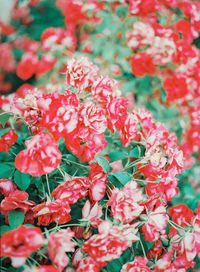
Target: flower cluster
[89, 180]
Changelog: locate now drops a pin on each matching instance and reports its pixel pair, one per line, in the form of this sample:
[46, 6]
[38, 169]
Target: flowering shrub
[108, 176]
[90, 180]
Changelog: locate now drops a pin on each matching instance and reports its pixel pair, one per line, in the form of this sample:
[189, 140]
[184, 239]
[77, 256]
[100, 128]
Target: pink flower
[7, 187]
[80, 73]
[61, 116]
[124, 202]
[156, 222]
[59, 243]
[41, 156]
[181, 214]
[16, 200]
[7, 140]
[93, 119]
[104, 89]
[27, 66]
[110, 242]
[129, 131]
[139, 264]
[86, 147]
[97, 189]
[92, 214]
[42, 268]
[98, 182]
[48, 212]
[143, 7]
[117, 113]
[19, 243]
[141, 35]
[89, 264]
[72, 190]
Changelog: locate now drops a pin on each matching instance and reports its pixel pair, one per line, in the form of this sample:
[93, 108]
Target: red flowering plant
[87, 183]
[89, 180]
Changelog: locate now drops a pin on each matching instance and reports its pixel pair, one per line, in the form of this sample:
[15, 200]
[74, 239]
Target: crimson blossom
[19, 243]
[41, 156]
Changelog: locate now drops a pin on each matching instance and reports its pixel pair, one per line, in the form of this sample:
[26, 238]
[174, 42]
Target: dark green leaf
[6, 169]
[4, 229]
[103, 162]
[135, 153]
[117, 155]
[15, 218]
[22, 180]
[122, 177]
[114, 266]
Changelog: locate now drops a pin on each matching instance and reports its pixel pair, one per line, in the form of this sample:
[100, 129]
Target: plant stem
[48, 185]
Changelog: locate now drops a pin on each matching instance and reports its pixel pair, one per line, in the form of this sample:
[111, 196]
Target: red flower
[72, 189]
[181, 214]
[143, 7]
[16, 200]
[80, 73]
[59, 243]
[104, 89]
[156, 223]
[43, 268]
[7, 187]
[44, 65]
[7, 140]
[27, 66]
[61, 117]
[117, 113]
[187, 31]
[110, 243]
[92, 214]
[86, 147]
[41, 156]
[124, 202]
[128, 131]
[18, 244]
[142, 64]
[74, 13]
[139, 264]
[93, 119]
[175, 87]
[98, 182]
[89, 264]
[48, 212]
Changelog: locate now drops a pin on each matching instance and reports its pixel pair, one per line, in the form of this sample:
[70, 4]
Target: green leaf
[122, 10]
[135, 153]
[122, 177]
[4, 229]
[114, 266]
[117, 155]
[6, 169]
[103, 162]
[4, 117]
[22, 180]
[114, 181]
[15, 218]
[129, 86]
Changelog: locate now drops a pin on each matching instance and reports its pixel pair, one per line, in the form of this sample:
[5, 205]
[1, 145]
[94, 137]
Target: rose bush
[91, 180]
